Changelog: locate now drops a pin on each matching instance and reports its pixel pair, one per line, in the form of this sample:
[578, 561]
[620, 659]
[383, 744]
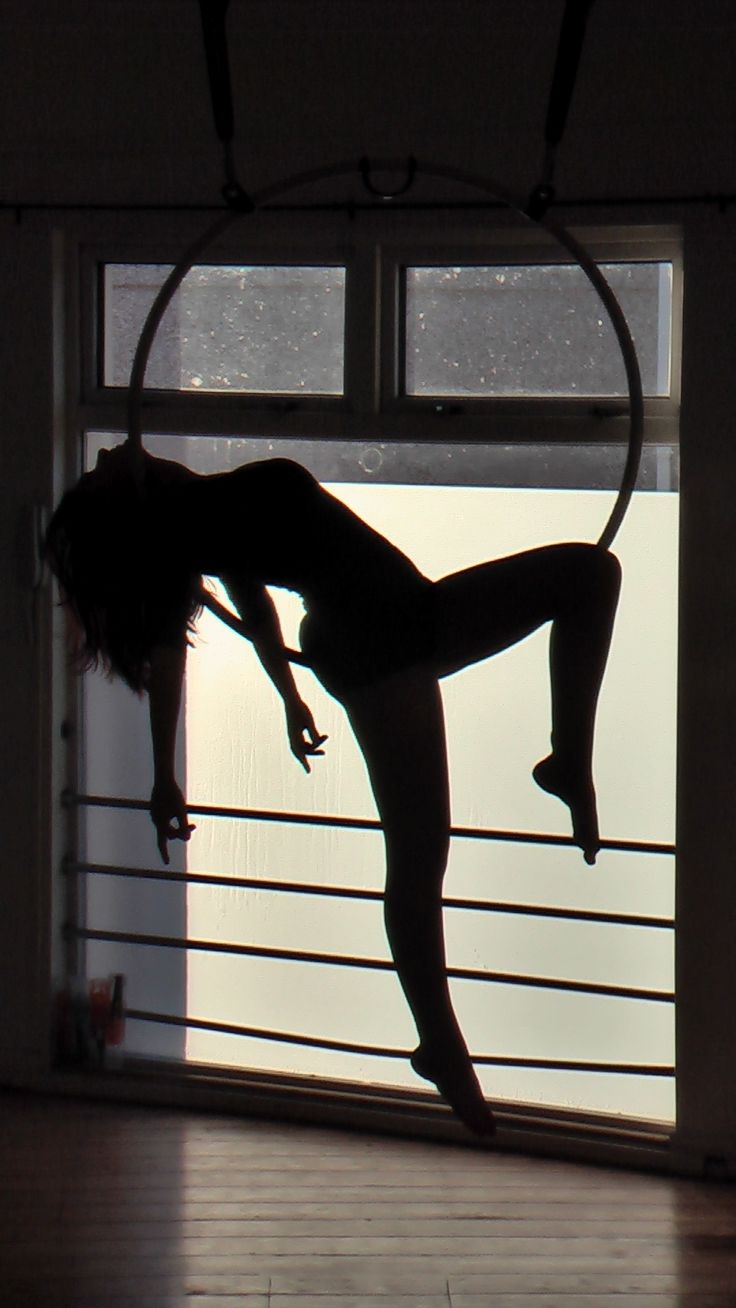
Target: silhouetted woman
[130, 549]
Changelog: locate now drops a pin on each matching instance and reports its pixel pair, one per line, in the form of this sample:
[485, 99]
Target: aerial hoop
[365, 167]
[537, 215]
[489, 187]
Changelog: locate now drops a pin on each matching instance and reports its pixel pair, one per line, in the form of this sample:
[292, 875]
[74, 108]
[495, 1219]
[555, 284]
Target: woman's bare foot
[578, 792]
[456, 1081]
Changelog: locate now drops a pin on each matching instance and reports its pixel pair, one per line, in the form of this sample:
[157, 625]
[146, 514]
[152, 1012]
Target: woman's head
[119, 577]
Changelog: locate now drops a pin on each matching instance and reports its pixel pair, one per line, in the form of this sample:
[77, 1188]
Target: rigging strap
[569, 49]
[214, 14]
[572, 35]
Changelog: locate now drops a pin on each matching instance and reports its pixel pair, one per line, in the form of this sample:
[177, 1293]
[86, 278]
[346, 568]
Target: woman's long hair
[119, 577]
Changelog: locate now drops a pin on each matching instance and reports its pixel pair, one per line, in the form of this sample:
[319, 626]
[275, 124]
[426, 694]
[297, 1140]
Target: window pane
[535, 330]
[255, 329]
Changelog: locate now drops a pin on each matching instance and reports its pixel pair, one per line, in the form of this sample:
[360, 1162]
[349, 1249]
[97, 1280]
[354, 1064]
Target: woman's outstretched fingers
[304, 739]
[168, 810]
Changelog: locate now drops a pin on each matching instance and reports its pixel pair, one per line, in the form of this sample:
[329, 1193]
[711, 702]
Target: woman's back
[272, 522]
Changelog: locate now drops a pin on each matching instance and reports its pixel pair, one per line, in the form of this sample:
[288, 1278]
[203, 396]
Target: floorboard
[116, 1206]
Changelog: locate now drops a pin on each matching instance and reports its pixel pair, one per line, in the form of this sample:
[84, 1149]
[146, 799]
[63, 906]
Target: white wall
[104, 103]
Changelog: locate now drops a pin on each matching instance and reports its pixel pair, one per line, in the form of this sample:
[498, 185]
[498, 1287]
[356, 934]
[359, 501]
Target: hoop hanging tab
[236, 198]
[539, 201]
[366, 168]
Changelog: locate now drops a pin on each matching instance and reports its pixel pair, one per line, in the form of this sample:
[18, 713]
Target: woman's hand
[304, 738]
[168, 811]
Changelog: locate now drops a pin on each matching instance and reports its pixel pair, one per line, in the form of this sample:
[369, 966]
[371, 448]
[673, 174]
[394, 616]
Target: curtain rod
[721, 201]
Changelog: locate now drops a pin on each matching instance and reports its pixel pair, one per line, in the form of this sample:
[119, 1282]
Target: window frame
[396, 395]
[369, 413]
[373, 407]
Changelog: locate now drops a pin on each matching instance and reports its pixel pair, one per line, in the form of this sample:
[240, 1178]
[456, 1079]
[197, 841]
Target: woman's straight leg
[399, 725]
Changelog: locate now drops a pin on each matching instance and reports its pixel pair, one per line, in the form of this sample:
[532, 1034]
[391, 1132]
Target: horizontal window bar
[365, 824]
[350, 892]
[541, 439]
[369, 964]
[377, 1051]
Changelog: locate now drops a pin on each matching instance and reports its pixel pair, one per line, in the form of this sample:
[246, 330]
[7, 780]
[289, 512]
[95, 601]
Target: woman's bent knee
[595, 568]
[608, 569]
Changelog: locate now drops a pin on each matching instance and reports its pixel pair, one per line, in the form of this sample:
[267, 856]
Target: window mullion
[362, 336]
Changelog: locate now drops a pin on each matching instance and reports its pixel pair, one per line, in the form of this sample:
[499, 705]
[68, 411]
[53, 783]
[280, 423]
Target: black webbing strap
[569, 49]
[214, 14]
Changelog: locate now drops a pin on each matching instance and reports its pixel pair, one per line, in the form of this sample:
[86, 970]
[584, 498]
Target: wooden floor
[110, 1206]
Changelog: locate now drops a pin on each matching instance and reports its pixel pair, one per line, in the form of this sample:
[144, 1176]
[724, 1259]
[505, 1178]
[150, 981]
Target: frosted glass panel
[234, 752]
[537, 330]
[247, 329]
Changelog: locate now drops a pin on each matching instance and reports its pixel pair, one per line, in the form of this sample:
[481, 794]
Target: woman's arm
[168, 806]
[259, 613]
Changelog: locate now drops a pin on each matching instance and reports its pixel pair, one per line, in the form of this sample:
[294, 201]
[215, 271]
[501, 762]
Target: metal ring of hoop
[479, 183]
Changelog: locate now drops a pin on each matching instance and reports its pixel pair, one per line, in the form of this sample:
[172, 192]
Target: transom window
[532, 330]
[252, 329]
